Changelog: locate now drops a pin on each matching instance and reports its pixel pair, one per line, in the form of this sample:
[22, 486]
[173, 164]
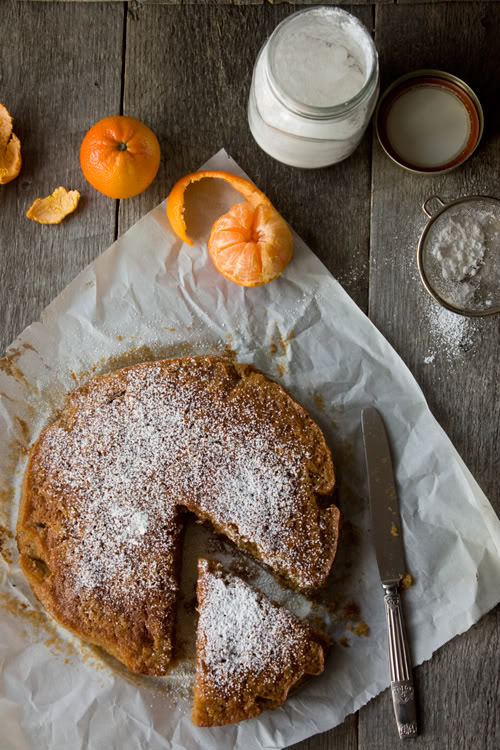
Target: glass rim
[313, 111]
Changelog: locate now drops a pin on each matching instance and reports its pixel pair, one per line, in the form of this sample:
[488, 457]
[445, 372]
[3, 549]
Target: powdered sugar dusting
[242, 633]
[140, 445]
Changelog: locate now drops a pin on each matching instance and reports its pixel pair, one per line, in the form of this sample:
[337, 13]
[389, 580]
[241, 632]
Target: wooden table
[185, 69]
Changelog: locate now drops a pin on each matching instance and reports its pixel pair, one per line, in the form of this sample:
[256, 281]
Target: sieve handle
[425, 205]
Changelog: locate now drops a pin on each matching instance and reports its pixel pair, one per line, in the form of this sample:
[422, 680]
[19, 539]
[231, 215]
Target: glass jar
[314, 88]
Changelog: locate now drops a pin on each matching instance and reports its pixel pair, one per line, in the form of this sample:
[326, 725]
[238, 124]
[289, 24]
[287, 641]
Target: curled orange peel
[54, 208]
[10, 149]
[251, 244]
[175, 202]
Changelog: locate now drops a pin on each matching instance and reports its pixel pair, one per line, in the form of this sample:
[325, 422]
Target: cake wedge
[250, 652]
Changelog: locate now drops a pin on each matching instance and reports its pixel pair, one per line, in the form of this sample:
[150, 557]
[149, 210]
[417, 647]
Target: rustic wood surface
[65, 65]
[254, 2]
[55, 91]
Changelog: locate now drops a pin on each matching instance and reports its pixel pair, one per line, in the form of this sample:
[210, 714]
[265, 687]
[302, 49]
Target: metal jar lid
[458, 254]
[429, 121]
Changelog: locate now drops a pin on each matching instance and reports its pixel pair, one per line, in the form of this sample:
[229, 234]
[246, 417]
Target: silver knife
[386, 531]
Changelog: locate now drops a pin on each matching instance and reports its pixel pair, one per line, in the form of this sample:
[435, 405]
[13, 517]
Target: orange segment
[10, 149]
[251, 244]
[54, 208]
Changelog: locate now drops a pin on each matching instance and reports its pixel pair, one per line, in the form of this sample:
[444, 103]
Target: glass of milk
[314, 88]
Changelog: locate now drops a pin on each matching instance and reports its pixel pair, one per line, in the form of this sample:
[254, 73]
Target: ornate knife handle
[403, 693]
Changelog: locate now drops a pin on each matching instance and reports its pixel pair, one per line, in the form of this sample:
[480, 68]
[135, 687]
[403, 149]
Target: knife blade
[389, 551]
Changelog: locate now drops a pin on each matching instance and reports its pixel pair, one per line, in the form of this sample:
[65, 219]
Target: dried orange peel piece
[251, 244]
[10, 149]
[54, 208]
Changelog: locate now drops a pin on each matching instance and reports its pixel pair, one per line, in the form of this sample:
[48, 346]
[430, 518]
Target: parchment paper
[149, 290]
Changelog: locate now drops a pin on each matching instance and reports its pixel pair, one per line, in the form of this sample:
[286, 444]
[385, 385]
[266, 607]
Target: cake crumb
[282, 369]
[407, 581]
[394, 529]
[361, 630]
[216, 544]
[351, 611]
[319, 401]
[241, 568]
[5, 536]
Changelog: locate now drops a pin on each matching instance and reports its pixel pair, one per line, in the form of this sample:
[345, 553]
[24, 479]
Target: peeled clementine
[251, 244]
[120, 156]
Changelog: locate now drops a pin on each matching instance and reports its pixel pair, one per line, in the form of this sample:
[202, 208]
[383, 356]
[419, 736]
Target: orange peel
[54, 208]
[251, 244]
[10, 149]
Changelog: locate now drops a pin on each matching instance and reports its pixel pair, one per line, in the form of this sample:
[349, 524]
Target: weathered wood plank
[456, 363]
[138, 3]
[426, 2]
[194, 118]
[55, 91]
[255, 2]
[343, 737]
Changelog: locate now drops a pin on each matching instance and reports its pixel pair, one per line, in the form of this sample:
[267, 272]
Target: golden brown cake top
[106, 484]
[250, 652]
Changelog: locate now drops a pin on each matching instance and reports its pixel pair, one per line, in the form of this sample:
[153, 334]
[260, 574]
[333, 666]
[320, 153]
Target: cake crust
[100, 523]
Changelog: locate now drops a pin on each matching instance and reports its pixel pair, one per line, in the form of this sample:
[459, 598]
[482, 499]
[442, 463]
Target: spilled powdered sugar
[452, 335]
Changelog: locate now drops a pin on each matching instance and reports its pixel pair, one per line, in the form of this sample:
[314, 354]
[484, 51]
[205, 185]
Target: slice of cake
[249, 651]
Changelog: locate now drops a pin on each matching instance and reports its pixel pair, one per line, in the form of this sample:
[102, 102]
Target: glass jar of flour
[314, 88]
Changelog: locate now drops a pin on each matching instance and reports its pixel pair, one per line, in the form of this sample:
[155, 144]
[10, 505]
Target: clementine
[251, 244]
[120, 156]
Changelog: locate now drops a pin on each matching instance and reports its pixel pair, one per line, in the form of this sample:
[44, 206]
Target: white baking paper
[149, 289]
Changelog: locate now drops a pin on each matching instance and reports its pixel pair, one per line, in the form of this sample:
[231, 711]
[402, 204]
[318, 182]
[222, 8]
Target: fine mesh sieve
[458, 254]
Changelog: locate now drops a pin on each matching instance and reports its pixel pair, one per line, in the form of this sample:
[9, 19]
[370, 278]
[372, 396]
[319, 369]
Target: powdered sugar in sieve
[459, 254]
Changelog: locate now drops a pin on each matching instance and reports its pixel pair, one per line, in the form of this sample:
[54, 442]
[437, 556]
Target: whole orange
[120, 156]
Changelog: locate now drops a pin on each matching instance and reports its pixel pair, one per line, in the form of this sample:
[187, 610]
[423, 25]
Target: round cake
[108, 484]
